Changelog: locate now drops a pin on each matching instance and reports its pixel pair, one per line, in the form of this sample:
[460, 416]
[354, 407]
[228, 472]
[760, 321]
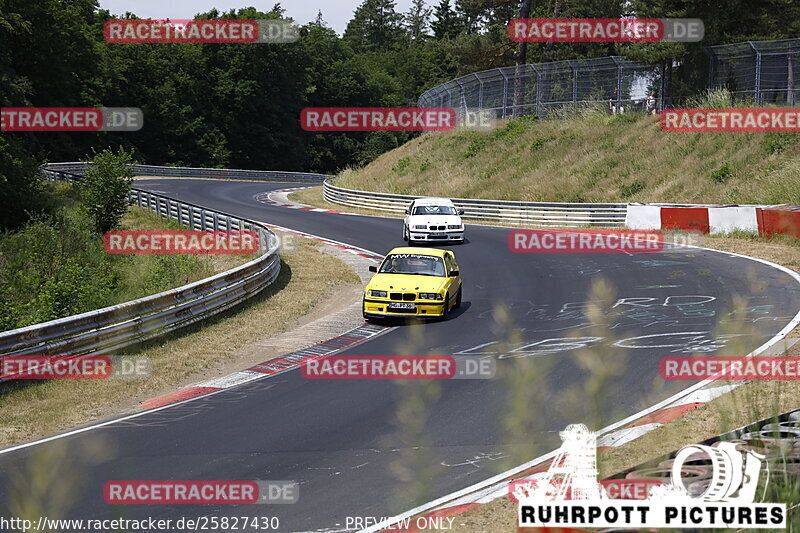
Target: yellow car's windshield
[423, 265]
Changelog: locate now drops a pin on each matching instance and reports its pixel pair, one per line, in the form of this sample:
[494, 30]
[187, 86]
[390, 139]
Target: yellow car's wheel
[446, 307]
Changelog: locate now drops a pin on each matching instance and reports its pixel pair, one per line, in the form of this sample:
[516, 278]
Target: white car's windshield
[434, 210]
[414, 264]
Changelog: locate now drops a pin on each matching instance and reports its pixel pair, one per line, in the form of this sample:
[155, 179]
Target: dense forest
[238, 105]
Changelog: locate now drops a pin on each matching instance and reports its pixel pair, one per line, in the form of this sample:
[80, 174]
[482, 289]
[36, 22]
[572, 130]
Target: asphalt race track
[339, 438]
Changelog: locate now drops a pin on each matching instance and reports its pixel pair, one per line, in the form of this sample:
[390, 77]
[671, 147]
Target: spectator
[614, 104]
[651, 103]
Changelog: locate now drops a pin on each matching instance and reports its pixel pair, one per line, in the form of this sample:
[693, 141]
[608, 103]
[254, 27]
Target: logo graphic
[569, 494]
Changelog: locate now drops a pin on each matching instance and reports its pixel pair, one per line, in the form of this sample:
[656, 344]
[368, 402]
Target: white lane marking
[231, 380]
[500, 478]
[706, 395]
[205, 396]
[625, 435]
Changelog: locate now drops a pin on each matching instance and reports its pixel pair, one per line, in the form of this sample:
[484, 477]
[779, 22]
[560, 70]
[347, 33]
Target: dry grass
[781, 249]
[308, 278]
[145, 274]
[591, 159]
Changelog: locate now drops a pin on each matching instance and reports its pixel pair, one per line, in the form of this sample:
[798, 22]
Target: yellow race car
[420, 282]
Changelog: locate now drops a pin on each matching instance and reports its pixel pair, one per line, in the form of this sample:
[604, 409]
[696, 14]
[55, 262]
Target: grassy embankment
[65, 270]
[593, 158]
[56, 265]
[597, 158]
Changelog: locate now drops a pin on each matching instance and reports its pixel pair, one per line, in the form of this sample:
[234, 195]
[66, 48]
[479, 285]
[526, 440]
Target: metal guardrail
[530, 213]
[112, 328]
[78, 168]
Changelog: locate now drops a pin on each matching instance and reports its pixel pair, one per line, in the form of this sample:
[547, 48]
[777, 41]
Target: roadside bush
[539, 142]
[711, 99]
[775, 141]
[402, 165]
[515, 127]
[477, 145]
[107, 187]
[722, 174]
[630, 189]
[54, 267]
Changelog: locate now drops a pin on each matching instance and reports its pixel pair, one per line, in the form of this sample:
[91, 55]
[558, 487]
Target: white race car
[433, 220]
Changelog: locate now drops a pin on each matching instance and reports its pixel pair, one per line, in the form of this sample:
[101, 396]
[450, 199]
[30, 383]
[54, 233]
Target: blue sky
[335, 12]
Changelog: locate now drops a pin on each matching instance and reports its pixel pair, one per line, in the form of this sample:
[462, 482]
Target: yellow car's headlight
[430, 296]
[378, 294]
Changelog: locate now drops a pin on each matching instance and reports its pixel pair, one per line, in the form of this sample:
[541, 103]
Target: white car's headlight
[420, 227]
[454, 226]
[379, 294]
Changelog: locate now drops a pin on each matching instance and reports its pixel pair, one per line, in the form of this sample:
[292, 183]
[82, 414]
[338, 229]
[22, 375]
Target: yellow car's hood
[405, 282]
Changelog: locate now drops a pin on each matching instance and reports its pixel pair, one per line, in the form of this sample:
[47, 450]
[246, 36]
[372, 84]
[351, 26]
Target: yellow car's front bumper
[377, 307]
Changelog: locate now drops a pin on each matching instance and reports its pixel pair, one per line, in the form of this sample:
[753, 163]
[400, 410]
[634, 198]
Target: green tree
[418, 21]
[107, 188]
[447, 24]
[376, 25]
[21, 192]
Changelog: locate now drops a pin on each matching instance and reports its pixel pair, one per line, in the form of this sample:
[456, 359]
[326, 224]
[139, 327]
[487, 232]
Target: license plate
[401, 305]
[438, 234]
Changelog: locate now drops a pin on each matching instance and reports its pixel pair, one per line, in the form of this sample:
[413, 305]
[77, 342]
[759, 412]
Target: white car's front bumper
[439, 236]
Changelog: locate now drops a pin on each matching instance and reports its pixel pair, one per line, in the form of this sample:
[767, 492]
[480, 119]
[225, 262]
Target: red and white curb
[266, 198]
[270, 368]
[764, 220]
[288, 361]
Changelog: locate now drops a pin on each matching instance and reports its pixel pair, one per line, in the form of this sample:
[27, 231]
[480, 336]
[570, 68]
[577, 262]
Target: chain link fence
[612, 83]
[765, 72]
